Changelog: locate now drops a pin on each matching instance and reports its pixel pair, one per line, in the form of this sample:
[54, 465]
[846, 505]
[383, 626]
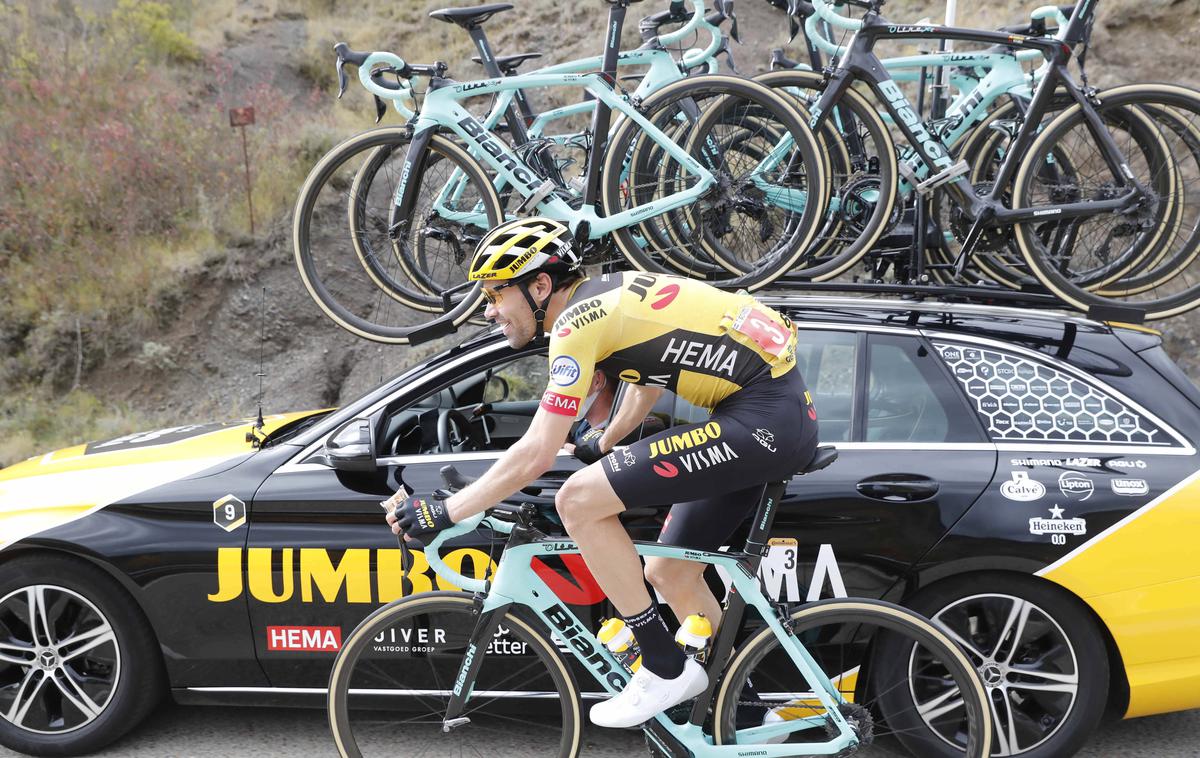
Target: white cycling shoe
[647, 695]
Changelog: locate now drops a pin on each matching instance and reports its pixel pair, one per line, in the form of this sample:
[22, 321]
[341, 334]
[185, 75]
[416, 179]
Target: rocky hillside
[196, 355]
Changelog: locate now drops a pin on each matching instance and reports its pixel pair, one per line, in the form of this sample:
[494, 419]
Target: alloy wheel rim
[1028, 666]
[59, 660]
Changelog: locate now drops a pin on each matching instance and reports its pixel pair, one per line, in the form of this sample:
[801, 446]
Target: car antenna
[252, 436]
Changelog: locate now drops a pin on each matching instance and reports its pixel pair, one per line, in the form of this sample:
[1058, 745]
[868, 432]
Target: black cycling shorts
[714, 471]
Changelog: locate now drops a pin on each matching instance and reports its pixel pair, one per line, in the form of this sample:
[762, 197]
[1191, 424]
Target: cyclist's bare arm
[522, 463]
[637, 402]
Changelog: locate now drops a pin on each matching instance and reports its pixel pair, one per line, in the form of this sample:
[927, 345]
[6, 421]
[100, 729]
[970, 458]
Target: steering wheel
[465, 436]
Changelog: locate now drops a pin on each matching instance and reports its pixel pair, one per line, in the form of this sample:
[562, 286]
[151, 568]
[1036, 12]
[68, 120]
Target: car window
[1020, 398]
[827, 361]
[909, 396]
[510, 390]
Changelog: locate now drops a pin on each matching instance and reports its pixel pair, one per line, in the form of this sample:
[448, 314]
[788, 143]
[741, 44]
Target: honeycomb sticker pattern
[1021, 399]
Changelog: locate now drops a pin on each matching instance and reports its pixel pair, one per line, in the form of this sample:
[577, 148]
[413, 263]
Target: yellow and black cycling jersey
[656, 330]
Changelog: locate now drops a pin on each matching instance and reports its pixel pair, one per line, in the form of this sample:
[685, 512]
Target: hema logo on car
[1021, 488]
[306, 639]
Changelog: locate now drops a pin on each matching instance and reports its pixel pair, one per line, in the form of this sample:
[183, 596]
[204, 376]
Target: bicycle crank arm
[449, 724]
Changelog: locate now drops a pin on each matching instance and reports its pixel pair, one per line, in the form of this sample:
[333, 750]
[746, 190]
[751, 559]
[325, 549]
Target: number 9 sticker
[229, 513]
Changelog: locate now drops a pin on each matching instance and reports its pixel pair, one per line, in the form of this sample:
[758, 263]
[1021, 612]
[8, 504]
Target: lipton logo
[1021, 488]
[308, 639]
[666, 469]
[1075, 485]
[665, 296]
[1130, 487]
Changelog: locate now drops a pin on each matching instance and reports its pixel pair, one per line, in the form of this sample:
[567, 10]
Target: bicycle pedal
[449, 724]
[541, 193]
[943, 177]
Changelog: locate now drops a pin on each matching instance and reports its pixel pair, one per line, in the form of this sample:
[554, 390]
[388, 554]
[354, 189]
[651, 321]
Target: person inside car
[718, 350]
[597, 408]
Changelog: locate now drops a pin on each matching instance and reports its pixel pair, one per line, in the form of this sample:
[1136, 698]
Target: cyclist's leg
[704, 524]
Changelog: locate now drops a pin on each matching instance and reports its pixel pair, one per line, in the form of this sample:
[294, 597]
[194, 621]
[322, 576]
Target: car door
[319, 556]
[912, 458]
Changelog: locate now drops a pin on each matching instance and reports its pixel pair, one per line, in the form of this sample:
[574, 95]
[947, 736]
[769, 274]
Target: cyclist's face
[508, 309]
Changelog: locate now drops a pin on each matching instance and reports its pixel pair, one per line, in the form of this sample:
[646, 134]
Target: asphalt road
[177, 732]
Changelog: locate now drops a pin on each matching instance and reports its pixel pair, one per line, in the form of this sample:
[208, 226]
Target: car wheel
[79, 666]
[1039, 652]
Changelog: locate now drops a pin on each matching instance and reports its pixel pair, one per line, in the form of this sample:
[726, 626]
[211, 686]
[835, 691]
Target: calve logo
[563, 405]
[701, 435]
[665, 296]
[1131, 487]
[666, 469]
[564, 371]
[1022, 488]
[305, 639]
[1075, 486]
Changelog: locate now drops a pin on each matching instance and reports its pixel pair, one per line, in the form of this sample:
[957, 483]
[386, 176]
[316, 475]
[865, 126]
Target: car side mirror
[496, 390]
[352, 446]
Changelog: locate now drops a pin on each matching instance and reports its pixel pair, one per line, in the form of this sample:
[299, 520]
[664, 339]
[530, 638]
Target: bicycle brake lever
[341, 74]
[380, 109]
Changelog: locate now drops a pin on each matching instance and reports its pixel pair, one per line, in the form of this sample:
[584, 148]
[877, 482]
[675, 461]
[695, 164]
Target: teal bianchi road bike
[701, 167]
[458, 673]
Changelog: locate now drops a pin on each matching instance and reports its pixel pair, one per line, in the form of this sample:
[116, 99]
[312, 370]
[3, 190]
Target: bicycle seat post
[757, 543]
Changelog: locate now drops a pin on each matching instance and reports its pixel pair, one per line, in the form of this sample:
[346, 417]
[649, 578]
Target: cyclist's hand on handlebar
[418, 516]
[588, 449]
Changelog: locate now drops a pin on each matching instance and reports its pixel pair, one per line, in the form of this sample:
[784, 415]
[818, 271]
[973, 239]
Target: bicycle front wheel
[392, 681]
[358, 260]
[903, 683]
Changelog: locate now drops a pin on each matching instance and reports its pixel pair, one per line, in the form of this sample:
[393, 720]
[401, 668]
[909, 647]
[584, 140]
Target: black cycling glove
[588, 448]
[422, 516]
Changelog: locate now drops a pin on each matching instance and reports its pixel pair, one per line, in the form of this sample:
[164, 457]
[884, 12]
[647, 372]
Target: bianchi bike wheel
[356, 258]
[392, 681]
[764, 212]
[905, 685]
[1163, 281]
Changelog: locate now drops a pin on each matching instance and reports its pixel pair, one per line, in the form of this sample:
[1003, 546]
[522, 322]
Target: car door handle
[898, 488]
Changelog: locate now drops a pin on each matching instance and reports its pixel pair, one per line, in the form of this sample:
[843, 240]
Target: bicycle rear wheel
[392, 681]
[905, 684]
[1164, 280]
[352, 251]
[764, 213]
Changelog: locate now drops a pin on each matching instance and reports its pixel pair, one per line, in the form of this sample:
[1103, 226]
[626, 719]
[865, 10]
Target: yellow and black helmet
[522, 247]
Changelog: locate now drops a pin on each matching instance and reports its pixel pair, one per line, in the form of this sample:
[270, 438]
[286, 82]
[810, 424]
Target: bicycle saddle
[509, 63]
[469, 17]
[825, 455]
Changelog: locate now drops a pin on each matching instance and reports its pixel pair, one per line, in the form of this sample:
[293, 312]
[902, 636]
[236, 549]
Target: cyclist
[718, 350]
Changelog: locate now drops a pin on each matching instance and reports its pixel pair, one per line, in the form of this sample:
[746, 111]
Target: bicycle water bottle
[693, 636]
[616, 635]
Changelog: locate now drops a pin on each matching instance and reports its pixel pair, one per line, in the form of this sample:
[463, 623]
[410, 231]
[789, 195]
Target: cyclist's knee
[585, 496]
[666, 573]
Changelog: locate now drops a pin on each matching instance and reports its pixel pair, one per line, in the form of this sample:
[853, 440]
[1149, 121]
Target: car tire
[96, 643]
[1058, 644]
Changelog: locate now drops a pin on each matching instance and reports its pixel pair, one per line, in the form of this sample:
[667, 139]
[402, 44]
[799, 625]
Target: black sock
[660, 654]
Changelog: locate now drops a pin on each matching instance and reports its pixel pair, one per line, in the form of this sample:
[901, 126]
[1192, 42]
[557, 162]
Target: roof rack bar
[975, 293]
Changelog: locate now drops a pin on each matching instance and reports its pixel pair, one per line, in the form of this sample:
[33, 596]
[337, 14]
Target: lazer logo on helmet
[686, 441]
[493, 148]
